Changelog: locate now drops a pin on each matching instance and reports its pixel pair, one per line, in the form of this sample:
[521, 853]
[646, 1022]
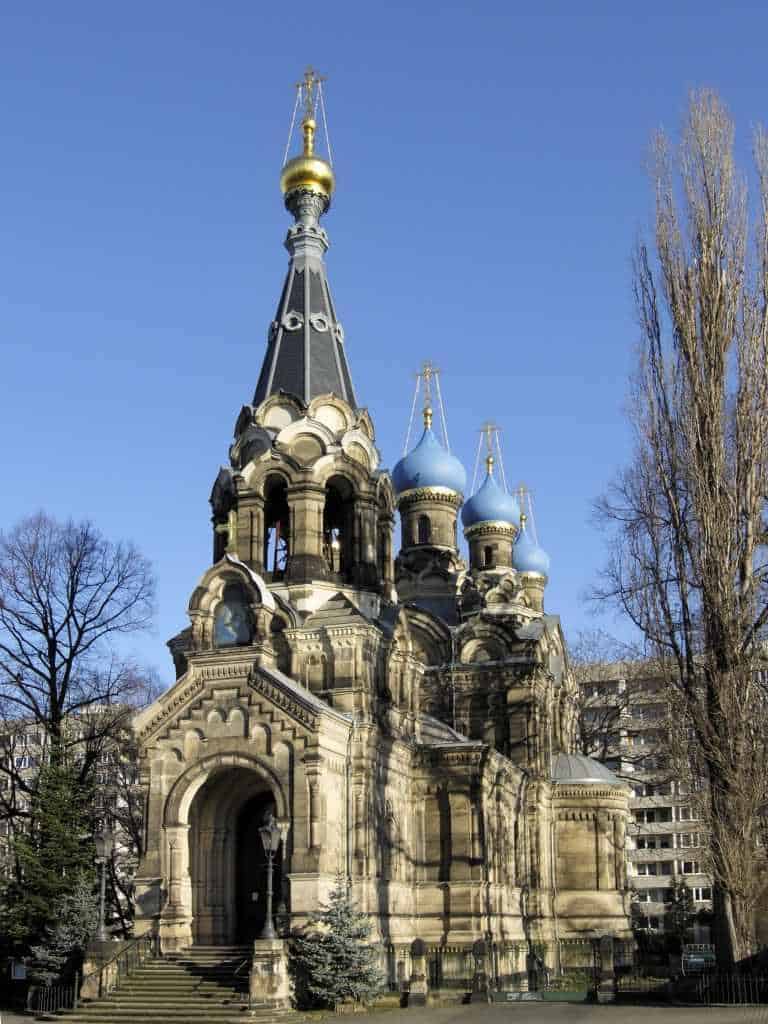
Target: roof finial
[308, 92]
[427, 373]
[490, 439]
[308, 171]
[428, 378]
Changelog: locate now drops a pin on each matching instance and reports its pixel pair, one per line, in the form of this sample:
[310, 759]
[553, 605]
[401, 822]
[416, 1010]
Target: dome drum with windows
[490, 520]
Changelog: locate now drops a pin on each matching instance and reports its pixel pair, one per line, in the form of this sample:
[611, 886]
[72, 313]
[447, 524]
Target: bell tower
[302, 501]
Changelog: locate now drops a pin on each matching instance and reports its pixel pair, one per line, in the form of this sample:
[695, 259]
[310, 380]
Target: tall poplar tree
[688, 515]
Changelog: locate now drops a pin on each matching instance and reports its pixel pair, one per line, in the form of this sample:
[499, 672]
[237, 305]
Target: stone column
[359, 826]
[312, 770]
[366, 570]
[176, 918]
[305, 560]
[250, 531]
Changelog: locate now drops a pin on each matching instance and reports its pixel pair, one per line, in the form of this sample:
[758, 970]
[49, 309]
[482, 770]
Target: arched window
[276, 527]
[488, 557]
[338, 517]
[232, 620]
[424, 529]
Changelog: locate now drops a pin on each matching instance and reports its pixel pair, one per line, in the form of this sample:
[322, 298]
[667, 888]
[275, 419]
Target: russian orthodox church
[407, 718]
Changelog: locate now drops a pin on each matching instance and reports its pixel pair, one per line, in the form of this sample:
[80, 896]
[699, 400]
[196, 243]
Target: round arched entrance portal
[224, 806]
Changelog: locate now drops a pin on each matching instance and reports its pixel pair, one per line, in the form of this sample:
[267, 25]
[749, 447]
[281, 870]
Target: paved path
[575, 1013]
[541, 1013]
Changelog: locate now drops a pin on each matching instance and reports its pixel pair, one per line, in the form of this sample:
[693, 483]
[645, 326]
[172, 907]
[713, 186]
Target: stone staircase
[202, 984]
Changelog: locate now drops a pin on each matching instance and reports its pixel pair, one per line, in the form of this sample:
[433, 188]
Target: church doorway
[227, 863]
[251, 869]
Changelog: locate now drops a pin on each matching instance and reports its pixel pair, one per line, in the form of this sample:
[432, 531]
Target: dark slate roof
[442, 607]
[572, 768]
[305, 352]
[338, 611]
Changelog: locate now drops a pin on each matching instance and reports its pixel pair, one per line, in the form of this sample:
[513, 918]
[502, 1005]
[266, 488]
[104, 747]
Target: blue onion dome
[429, 465]
[527, 556]
[490, 504]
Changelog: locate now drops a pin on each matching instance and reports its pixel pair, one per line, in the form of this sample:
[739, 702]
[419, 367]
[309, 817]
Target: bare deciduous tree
[600, 666]
[67, 594]
[688, 555]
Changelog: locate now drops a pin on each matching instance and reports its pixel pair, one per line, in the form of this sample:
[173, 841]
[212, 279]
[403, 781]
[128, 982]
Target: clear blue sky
[490, 167]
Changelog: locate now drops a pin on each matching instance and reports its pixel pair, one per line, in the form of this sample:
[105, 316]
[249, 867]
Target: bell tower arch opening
[338, 528]
[277, 527]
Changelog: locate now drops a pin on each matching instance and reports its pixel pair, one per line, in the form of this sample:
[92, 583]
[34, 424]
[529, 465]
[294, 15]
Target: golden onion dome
[308, 170]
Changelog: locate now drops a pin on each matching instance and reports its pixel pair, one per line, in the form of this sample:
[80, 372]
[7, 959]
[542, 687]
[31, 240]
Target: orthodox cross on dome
[428, 385]
[525, 499]
[306, 89]
[490, 439]
[309, 96]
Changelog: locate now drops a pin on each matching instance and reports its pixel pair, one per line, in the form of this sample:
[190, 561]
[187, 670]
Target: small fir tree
[335, 962]
[75, 921]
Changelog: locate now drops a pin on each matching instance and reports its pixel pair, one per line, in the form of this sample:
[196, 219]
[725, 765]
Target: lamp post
[105, 844]
[272, 833]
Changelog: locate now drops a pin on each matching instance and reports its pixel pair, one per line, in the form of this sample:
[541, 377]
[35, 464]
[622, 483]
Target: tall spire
[305, 346]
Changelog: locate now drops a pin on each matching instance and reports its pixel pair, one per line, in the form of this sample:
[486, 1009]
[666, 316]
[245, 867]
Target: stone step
[118, 1012]
[183, 985]
[198, 986]
[171, 1002]
[261, 1014]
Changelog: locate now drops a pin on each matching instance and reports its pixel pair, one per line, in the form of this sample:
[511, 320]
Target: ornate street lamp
[272, 832]
[105, 844]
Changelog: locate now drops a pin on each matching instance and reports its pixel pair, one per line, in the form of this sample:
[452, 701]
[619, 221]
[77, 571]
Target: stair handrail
[146, 943]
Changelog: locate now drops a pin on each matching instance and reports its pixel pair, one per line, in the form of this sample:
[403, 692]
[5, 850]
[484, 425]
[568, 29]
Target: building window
[660, 842]
[690, 867]
[651, 815]
[702, 893]
[488, 557]
[686, 840]
[424, 528]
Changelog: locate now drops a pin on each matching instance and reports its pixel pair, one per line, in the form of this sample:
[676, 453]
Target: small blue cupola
[429, 464]
[527, 556]
[490, 504]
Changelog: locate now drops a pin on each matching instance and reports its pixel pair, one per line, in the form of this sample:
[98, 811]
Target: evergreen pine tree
[335, 962]
[55, 855]
[75, 921]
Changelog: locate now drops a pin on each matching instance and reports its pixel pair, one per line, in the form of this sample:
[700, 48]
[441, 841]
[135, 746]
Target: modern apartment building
[666, 843]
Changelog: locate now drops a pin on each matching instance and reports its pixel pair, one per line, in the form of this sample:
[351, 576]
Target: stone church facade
[407, 717]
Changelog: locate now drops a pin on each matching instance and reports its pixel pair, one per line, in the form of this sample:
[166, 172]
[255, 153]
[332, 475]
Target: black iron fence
[735, 989]
[707, 989]
[52, 998]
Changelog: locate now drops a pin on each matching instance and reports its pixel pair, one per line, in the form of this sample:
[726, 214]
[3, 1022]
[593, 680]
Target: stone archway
[216, 869]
